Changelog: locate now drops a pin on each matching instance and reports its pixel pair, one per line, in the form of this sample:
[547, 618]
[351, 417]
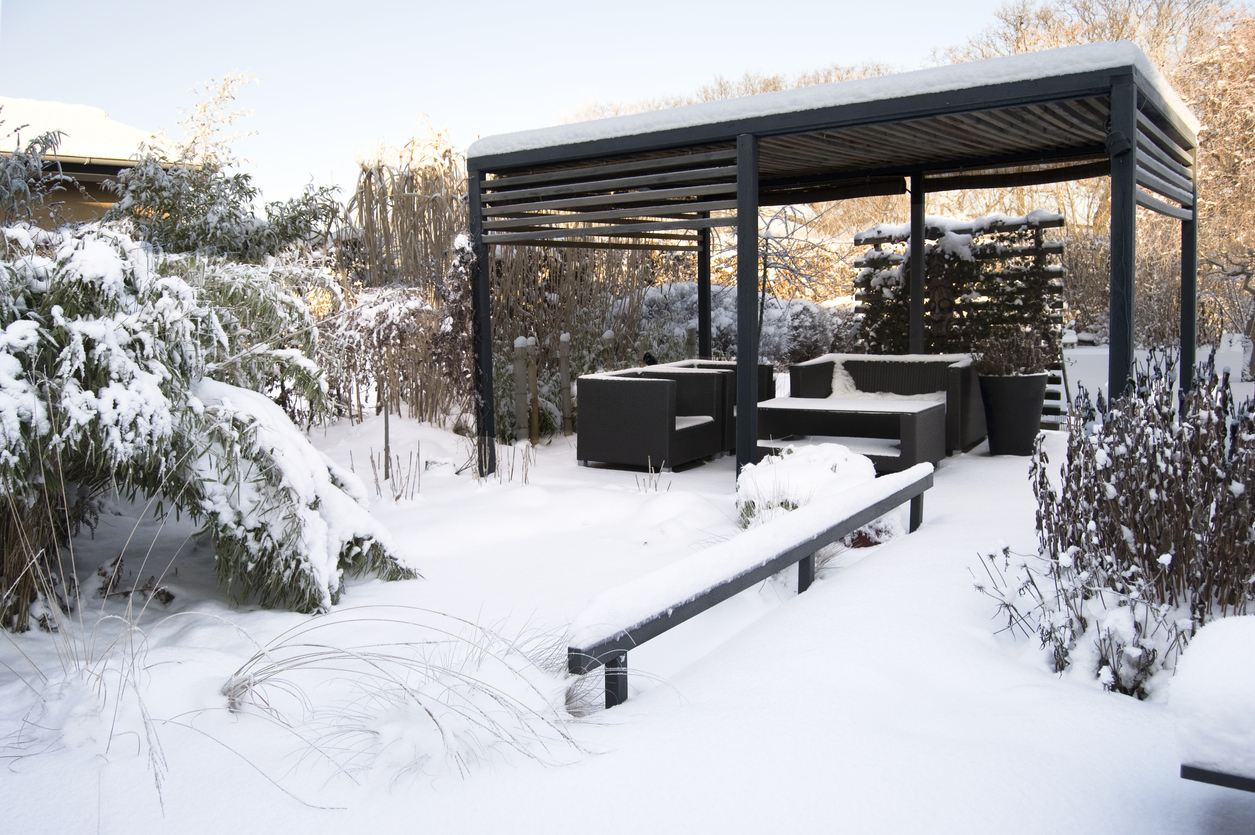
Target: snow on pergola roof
[1029, 67]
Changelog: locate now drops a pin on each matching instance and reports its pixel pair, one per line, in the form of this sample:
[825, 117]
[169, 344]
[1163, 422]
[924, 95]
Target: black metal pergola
[662, 180]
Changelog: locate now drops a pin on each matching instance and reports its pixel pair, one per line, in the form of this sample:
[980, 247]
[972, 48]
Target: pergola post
[918, 244]
[703, 291]
[1122, 149]
[1189, 296]
[481, 316]
[746, 300]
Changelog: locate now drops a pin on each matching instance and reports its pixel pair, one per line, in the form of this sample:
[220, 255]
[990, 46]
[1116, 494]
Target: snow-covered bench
[1213, 697]
[884, 385]
[629, 615]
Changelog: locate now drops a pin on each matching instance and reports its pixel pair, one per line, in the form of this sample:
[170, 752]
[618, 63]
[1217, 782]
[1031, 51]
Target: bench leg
[805, 573]
[616, 679]
[917, 511]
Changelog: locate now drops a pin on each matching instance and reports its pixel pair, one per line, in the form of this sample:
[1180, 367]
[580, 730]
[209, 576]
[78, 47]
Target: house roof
[90, 136]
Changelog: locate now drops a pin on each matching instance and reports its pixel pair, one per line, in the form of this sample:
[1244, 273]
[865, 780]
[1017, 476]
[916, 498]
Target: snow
[89, 132]
[1213, 697]
[1033, 66]
[881, 700]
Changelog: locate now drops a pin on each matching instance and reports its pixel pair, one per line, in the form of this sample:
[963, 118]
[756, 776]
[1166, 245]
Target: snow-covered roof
[1053, 63]
[88, 131]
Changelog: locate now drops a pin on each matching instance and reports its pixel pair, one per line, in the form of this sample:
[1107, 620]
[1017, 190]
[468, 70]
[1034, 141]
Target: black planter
[1013, 412]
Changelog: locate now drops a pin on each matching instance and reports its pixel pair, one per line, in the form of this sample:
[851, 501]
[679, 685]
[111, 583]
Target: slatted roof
[652, 180]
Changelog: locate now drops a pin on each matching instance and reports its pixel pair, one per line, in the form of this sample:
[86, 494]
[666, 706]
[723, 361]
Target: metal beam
[918, 245]
[481, 316]
[703, 293]
[1013, 179]
[1189, 298]
[1121, 144]
[746, 300]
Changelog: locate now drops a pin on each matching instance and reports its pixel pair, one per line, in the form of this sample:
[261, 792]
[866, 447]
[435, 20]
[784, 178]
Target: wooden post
[520, 388]
[746, 300]
[1122, 148]
[533, 393]
[918, 245]
[564, 380]
[387, 445]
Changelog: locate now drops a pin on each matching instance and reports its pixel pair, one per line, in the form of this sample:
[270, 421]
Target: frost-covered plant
[1011, 350]
[101, 359]
[441, 695]
[1149, 533]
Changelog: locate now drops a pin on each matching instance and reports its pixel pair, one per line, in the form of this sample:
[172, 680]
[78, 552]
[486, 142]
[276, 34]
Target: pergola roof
[652, 179]
[661, 180]
[1070, 70]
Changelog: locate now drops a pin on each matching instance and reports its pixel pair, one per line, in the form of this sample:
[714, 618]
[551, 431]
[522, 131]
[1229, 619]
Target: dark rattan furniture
[909, 374]
[658, 417]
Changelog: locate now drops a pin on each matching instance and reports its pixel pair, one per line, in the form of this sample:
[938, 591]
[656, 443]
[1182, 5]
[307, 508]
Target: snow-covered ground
[881, 700]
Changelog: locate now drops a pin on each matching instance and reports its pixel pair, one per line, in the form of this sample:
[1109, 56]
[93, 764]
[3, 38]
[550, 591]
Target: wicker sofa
[658, 417]
[950, 376]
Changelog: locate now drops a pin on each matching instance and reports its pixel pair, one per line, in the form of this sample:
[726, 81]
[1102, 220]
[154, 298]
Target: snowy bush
[793, 330]
[101, 361]
[1149, 534]
[181, 206]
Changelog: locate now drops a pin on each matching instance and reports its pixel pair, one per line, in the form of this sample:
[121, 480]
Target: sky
[337, 81]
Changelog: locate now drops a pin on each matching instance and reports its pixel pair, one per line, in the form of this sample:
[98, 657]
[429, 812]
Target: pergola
[662, 180]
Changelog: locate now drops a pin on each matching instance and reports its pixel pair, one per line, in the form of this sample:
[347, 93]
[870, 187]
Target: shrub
[107, 371]
[1150, 533]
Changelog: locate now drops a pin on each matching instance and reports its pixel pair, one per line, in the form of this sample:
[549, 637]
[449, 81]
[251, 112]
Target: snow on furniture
[947, 377]
[629, 615]
[656, 417]
[1213, 697]
[917, 426]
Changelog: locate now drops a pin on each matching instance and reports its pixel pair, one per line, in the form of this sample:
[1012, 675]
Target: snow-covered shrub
[847, 328]
[264, 332]
[793, 329]
[799, 476]
[186, 207]
[810, 330]
[1149, 534]
[100, 357]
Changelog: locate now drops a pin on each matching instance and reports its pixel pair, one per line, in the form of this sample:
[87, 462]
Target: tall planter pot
[1013, 412]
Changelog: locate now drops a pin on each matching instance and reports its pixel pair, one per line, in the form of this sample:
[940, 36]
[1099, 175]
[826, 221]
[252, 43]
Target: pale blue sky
[338, 78]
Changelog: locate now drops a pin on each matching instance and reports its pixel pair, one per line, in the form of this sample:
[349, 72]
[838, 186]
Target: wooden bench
[631, 614]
